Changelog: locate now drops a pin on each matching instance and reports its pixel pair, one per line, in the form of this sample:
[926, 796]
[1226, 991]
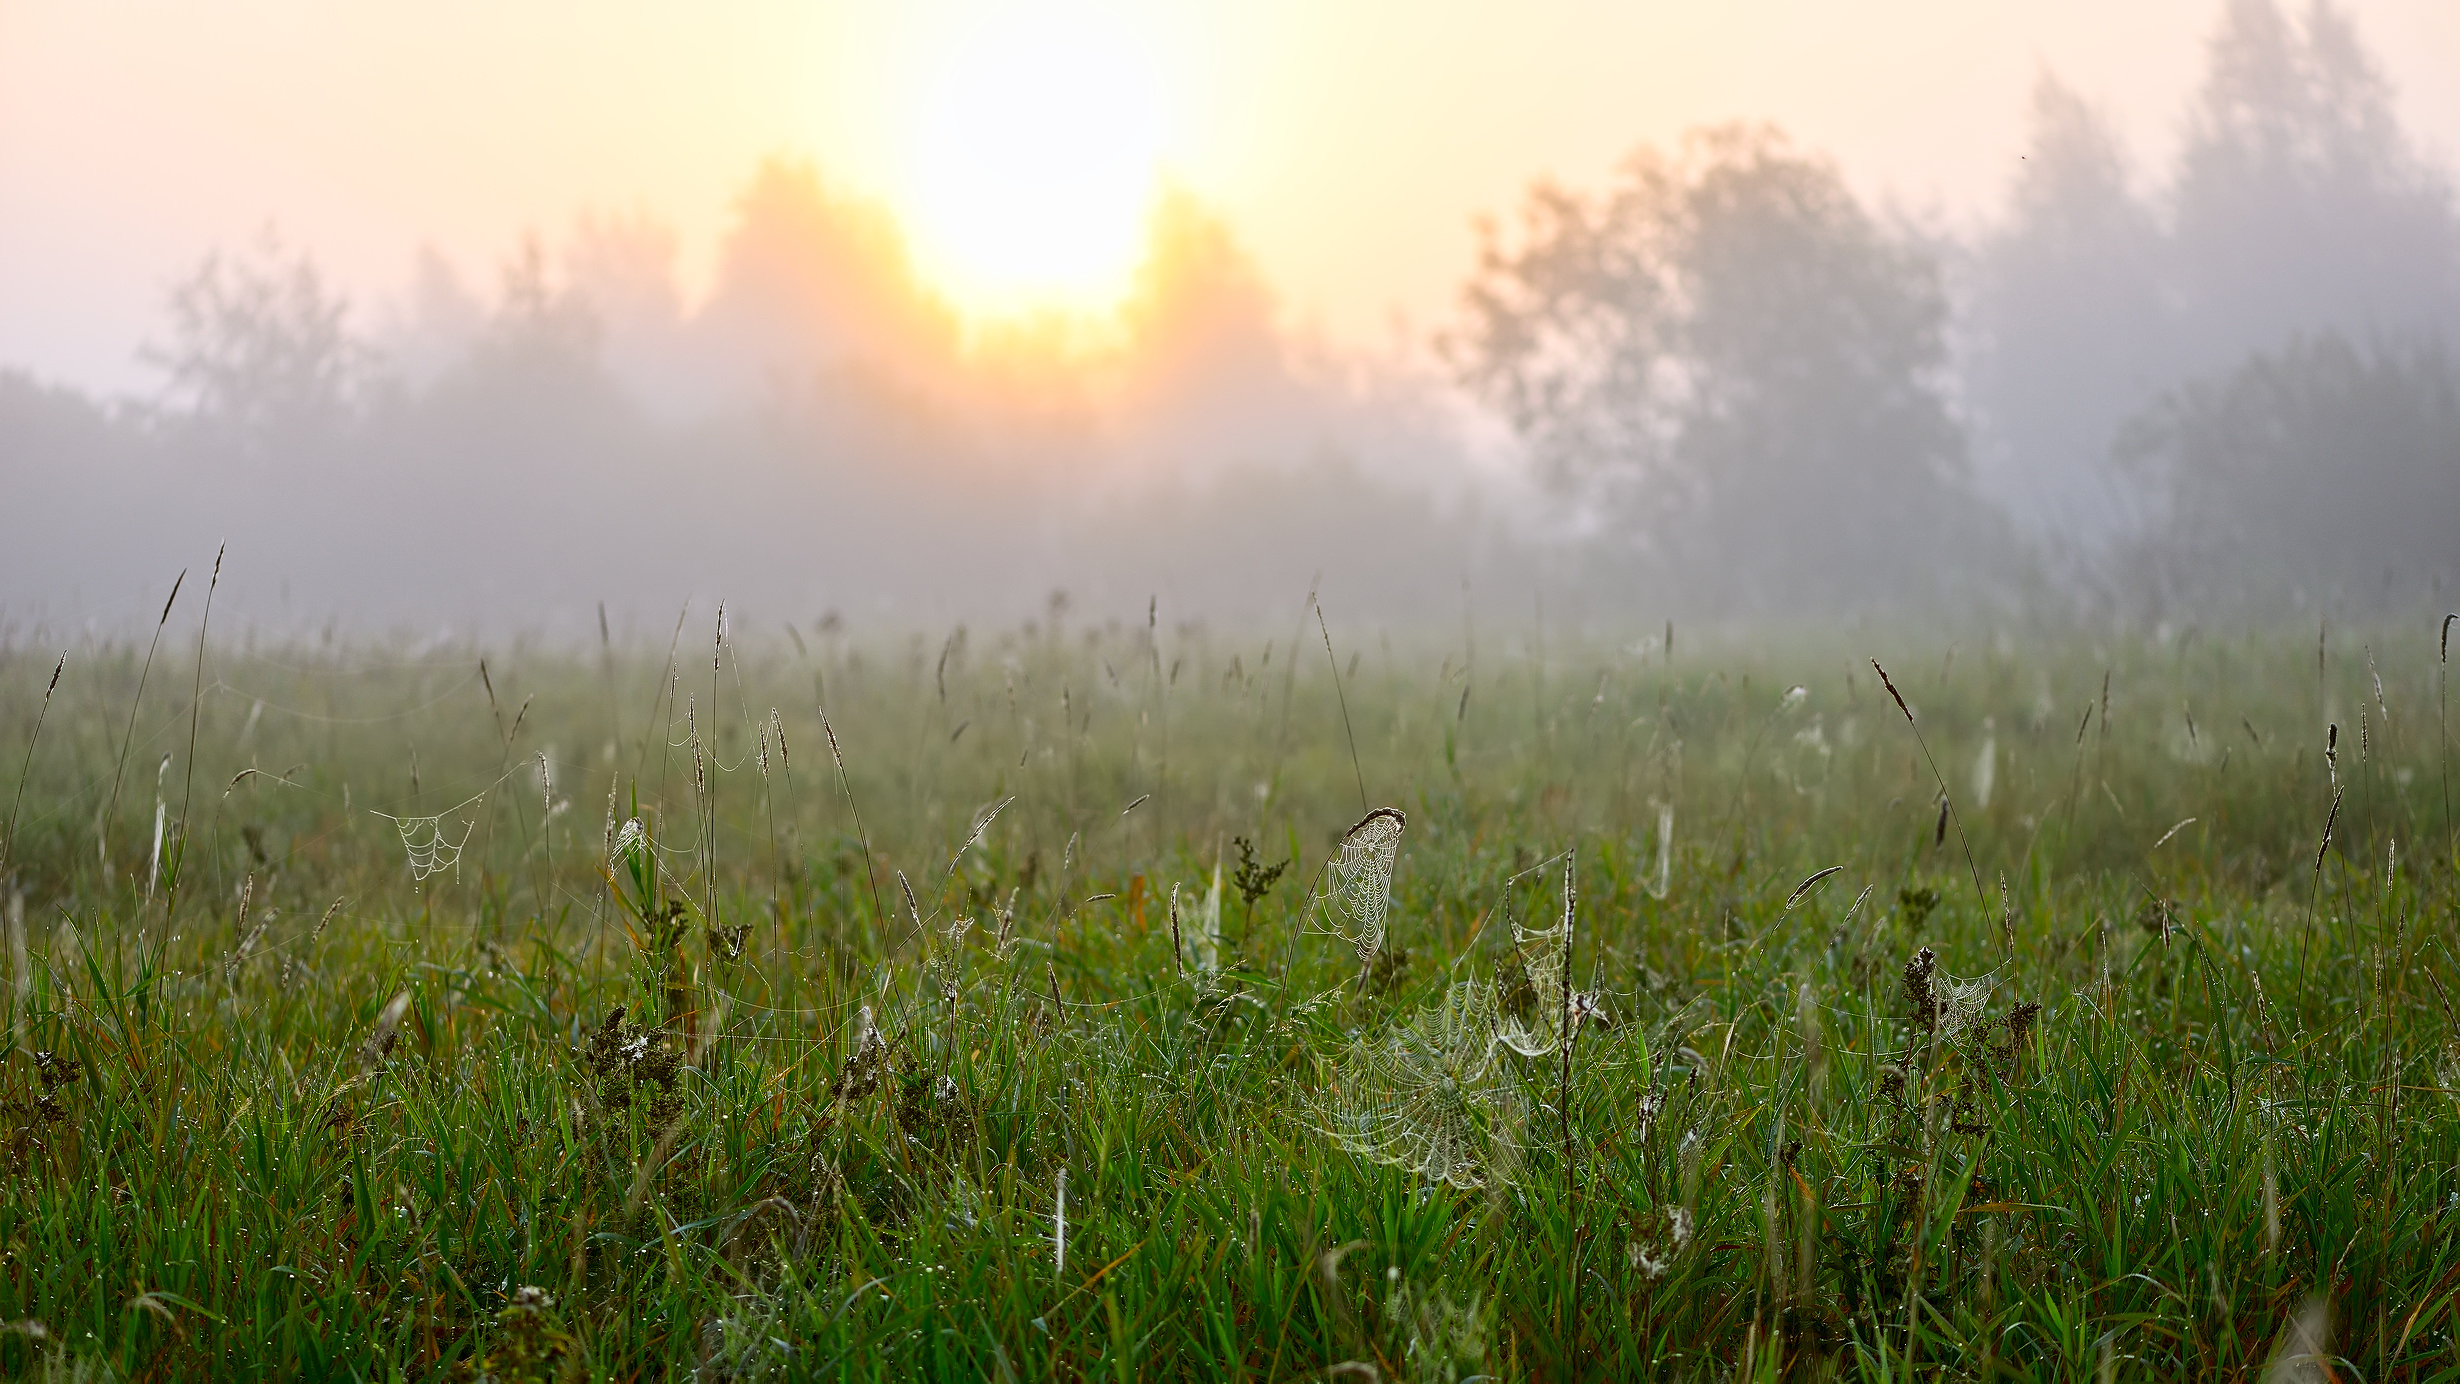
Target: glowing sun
[1032, 166]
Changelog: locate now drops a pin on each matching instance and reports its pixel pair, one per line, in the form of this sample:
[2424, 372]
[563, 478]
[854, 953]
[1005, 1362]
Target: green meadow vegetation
[1133, 1001]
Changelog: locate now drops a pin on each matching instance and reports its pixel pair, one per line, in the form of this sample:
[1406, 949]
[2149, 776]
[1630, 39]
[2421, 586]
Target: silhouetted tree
[2299, 203]
[811, 282]
[2297, 206]
[1740, 369]
[530, 407]
[539, 323]
[438, 320]
[2069, 333]
[623, 268]
[2321, 471]
[1208, 380]
[260, 357]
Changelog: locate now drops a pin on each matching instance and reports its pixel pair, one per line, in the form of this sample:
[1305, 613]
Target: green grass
[225, 1158]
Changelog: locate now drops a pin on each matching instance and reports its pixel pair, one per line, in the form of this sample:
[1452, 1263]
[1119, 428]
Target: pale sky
[1349, 145]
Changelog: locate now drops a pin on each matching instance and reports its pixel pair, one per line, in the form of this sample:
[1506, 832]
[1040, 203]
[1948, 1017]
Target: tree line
[1734, 385]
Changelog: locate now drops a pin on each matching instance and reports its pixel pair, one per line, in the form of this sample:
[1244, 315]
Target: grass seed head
[1919, 995]
[866, 1066]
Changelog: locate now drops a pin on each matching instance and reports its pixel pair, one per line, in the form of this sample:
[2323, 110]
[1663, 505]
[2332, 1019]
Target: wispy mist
[1720, 382]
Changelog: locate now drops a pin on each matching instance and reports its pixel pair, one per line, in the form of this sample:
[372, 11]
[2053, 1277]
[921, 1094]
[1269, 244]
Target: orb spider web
[1359, 881]
[1426, 1097]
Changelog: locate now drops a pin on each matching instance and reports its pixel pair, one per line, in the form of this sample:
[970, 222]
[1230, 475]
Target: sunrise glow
[1031, 166]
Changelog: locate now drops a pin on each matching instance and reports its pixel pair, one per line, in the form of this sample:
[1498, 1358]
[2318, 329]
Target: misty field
[1129, 1001]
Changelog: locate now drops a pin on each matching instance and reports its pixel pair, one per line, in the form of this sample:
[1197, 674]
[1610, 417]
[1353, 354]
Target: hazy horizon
[1762, 311]
[1349, 152]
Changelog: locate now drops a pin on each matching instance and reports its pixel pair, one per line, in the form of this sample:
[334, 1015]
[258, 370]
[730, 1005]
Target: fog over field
[1082, 689]
[2204, 375]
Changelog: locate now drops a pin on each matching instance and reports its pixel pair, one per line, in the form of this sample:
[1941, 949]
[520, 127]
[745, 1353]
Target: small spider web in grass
[426, 844]
[1425, 1096]
[631, 844]
[1204, 930]
[1358, 881]
[1948, 1007]
[1529, 995]
[2447, 1070]
[1960, 1004]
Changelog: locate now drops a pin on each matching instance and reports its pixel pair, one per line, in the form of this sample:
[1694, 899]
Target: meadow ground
[601, 1012]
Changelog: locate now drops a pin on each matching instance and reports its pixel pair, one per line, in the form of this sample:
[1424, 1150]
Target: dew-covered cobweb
[1960, 1002]
[1358, 881]
[1529, 997]
[1426, 1095]
[425, 842]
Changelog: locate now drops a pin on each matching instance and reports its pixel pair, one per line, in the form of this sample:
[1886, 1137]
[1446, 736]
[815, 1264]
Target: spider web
[1665, 852]
[1424, 1097]
[424, 843]
[1529, 1008]
[1948, 1007]
[430, 852]
[1204, 929]
[1359, 881]
[1960, 1002]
